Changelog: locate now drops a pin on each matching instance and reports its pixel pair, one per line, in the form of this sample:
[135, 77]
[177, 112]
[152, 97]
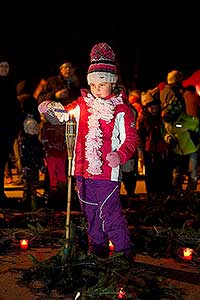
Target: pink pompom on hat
[102, 64]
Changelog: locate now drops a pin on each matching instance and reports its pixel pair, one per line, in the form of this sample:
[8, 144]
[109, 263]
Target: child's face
[4, 68]
[133, 97]
[101, 89]
[32, 129]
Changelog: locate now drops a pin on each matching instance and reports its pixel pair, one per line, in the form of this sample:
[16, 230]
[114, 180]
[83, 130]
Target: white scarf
[99, 109]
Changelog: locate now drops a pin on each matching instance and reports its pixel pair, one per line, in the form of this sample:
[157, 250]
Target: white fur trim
[101, 77]
[99, 109]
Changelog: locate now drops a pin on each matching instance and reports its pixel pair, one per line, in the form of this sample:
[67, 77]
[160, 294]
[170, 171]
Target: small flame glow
[24, 244]
[121, 294]
[187, 253]
[111, 246]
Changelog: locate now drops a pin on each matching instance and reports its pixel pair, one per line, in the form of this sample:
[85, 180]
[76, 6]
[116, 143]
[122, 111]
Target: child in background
[53, 140]
[130, 168]
[106, 138]
[134, 98]
[32, 158]
[153, 150]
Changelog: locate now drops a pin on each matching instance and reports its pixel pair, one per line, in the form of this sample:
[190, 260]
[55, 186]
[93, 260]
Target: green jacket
[185, 132]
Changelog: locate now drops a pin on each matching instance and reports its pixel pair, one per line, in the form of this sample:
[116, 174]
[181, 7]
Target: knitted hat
[31, 126]
[102, 64]
[66, 64]
[174, 77]
[150, 98]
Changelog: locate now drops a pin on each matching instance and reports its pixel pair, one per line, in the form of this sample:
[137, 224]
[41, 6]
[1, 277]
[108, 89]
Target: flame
[111, 246]
[24, 244]
[187, 253]
[121, 294]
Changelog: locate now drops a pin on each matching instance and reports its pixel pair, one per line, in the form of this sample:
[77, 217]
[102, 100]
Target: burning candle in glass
[121, 294]
[24, 244]
[187, 253]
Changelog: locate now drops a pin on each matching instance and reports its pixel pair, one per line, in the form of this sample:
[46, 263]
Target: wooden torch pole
[70, 141]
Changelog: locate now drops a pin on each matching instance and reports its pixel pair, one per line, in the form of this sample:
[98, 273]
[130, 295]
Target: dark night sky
[147, 66]
[146, 59]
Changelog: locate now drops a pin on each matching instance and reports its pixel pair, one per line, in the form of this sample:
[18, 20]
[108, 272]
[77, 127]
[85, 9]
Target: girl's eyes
[99, 86]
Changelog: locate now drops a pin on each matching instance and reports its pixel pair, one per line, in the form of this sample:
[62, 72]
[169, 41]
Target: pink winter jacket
[103, 125]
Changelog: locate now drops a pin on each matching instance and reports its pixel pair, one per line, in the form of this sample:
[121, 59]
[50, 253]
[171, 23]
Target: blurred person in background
[134, 98]
[192, 101]
[32, 159]
[181, 132]
[153, 150]
[40, 86]
[63, 87]
[28, 106]
[10, 123]
[130, 168]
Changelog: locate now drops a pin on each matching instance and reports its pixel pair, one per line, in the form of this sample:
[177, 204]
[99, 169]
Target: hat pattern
[102, 64]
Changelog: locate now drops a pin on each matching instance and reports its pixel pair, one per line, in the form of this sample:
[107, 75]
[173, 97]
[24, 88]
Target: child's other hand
[114, 159]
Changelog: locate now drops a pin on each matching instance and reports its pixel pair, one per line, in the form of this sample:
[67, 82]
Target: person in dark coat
[28, 106]
[63, 87]
[9, 121]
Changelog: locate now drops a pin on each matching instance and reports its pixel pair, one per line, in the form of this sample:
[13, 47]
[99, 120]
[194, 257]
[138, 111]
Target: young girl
[106, 137]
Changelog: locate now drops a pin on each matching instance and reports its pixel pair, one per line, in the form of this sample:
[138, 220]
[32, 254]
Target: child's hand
[170, 140]
[53, 111]
[60, 112]
[114, 159]
[47, 108]
[43, 106]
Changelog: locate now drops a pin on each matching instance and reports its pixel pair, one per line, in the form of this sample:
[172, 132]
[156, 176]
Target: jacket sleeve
[54, 112]
[128, 136]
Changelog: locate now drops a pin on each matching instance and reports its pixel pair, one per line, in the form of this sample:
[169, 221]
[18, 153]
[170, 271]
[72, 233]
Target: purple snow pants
[100, 203]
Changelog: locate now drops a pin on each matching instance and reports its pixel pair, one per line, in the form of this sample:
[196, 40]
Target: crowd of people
[117, 127]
